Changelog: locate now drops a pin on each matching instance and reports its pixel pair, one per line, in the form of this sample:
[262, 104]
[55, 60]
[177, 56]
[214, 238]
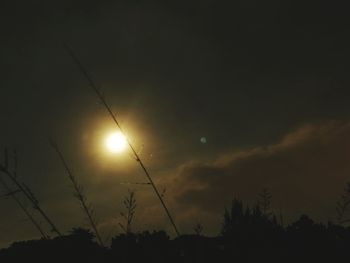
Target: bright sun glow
[116, 142]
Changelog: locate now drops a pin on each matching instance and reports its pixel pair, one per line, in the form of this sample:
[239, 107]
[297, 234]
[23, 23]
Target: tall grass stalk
[114, 118]
[12, 194]
[130, 206]
[80, 195]
[28, 194]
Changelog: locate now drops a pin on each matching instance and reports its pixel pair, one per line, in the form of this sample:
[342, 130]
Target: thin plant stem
[30, 196]
[113, 116]
[24, 209]
[79, 194]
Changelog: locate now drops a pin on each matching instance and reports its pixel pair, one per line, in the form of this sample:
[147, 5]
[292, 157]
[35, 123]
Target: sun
[116, 142]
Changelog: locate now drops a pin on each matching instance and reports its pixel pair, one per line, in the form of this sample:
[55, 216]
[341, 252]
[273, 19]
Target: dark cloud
[305, 171]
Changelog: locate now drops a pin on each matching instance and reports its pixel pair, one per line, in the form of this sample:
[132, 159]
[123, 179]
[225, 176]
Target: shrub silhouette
[247, 235]
[77, 246]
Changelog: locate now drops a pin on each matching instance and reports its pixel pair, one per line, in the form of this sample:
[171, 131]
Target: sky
[264, 82]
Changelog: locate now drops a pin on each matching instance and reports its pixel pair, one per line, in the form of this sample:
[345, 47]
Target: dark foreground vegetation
[248, 235]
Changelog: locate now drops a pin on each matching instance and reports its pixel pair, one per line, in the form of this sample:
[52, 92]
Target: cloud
[306, 171]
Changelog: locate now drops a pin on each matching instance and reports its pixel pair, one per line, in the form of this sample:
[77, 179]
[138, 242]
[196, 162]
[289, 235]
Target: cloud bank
[306, 171]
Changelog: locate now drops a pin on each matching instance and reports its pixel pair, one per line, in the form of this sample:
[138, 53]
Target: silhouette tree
[343, 206]
[248, 235]
[233, 217]
[265, 202]
[82, 234]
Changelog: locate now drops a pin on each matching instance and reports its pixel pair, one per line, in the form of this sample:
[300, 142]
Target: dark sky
[266, 82]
